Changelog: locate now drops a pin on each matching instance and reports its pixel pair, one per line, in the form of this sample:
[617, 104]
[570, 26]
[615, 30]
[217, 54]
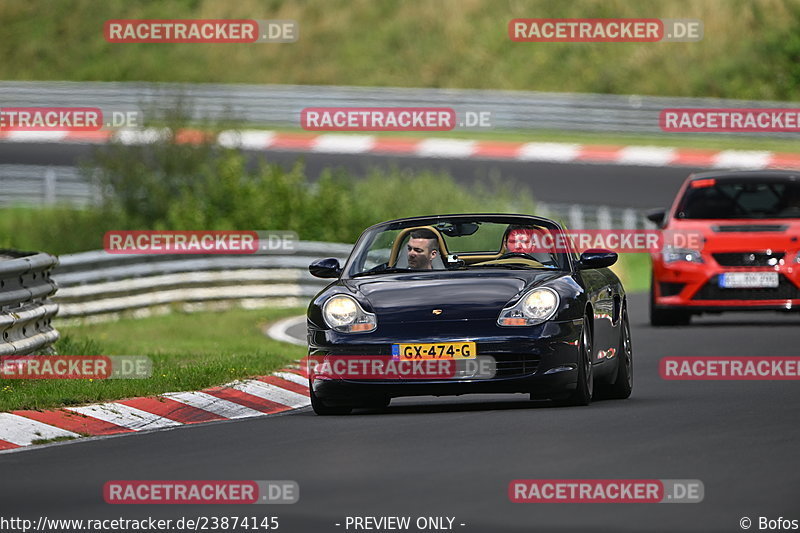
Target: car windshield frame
[694, 187]
[352, 268]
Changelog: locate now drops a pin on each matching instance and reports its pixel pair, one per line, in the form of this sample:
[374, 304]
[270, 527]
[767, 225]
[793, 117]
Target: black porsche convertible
[469, 303]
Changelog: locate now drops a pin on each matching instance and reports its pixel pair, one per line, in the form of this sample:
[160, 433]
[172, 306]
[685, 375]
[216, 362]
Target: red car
[746, 228]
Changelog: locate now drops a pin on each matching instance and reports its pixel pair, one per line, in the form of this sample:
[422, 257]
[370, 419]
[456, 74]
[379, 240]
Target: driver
[518, 239]
[423, 247]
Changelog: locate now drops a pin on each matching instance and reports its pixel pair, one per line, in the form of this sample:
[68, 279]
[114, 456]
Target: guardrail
[25, 308]
[581, 216]
[282, 104]
[45, 185]
[97, 283]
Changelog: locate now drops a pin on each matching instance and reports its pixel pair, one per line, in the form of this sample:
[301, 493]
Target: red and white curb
[266, 395]
[653, 156]
[282, 391]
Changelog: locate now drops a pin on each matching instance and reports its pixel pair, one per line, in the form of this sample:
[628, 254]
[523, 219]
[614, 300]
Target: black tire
[623, 385]
[584, 389]
[666, 317]
[322, 409]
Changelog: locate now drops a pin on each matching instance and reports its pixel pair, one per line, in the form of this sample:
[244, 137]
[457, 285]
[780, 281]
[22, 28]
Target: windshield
[745, 199]
[454, 244]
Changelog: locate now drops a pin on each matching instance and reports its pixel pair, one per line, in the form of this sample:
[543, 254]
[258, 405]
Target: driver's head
[518, 239]
[422, 247]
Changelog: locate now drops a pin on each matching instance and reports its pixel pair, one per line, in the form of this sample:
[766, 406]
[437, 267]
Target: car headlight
[797, 258]
[535, 307]
[343, 313]
[671, 254]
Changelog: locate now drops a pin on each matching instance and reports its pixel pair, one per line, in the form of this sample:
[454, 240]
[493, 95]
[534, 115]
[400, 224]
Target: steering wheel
[378, 268]
[508, 255]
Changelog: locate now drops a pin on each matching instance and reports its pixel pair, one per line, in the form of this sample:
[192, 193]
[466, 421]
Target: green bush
[166, 185]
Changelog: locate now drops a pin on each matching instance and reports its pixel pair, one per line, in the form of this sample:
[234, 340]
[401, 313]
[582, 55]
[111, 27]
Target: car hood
[458, 295]
[743, 235]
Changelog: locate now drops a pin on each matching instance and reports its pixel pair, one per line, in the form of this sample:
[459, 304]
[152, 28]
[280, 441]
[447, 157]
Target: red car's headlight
[670, 254]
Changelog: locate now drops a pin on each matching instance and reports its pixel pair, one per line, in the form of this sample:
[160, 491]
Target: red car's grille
[748, 259]
[784, 291]
[670, 288]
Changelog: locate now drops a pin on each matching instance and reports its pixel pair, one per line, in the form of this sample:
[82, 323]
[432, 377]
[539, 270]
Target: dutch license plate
[454, 351]
[748, 280]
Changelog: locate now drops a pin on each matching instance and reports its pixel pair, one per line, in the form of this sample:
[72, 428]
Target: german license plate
[453, 351]
[748, 280]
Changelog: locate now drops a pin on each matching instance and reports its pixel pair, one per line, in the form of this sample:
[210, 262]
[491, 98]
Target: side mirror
[657, 216]
[597, 258]
[325, 268]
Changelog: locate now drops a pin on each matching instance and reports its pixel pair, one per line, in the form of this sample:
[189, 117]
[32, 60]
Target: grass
[54, 439]
[634, 272]
[189, 352]
[749, 49]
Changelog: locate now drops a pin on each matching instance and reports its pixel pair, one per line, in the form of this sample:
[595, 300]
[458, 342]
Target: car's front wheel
[584, 389]
[621, 387]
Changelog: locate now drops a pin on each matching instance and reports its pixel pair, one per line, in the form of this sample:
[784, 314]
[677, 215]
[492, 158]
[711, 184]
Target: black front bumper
[540, 360]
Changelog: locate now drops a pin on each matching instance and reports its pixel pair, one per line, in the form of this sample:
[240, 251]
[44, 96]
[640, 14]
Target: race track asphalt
[456, 456]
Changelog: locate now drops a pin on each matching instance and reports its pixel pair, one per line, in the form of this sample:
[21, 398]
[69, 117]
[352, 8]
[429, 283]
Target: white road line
[212, 404]
[279, 330]
[36, 136]
[23, 431]
[655, 156]
[445, 148]
[125, 416]
[343, 144]
[742, 159]
[248, 139]
[271, 393]
[144, 136]
[549, 152]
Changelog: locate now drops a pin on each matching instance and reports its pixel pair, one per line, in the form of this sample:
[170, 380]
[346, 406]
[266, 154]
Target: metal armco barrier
[98, 283]
[25, 307]
[45, 185]
[282, 104]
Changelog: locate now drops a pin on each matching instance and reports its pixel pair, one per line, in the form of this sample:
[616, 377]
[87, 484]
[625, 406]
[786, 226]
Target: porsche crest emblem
[437, 311]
